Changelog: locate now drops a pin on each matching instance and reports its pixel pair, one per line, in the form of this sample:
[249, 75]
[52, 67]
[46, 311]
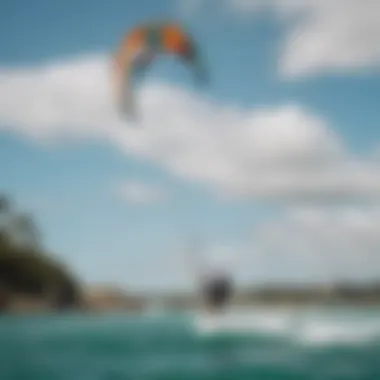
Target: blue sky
[283, 131]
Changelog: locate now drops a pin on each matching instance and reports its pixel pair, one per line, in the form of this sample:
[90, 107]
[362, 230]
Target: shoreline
[98, 299]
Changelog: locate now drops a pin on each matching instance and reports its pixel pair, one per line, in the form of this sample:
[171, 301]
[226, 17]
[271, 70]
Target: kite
[138, 50]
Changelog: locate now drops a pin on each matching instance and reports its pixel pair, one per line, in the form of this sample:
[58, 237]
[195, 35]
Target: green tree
[25, 266]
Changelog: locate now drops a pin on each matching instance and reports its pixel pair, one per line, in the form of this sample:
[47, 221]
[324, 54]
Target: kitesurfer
[216, 291]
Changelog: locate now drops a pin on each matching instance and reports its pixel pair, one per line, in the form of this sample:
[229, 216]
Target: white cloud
[334, 35]
[137, 192]
[69, 99]
[283, 153]
[298, 245]
[319, 244]
[323, 35]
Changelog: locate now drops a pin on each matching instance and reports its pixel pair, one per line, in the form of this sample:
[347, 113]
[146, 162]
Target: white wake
[306, 326]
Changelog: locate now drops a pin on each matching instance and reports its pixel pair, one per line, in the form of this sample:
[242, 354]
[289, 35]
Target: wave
[300, 326]
[315, 327]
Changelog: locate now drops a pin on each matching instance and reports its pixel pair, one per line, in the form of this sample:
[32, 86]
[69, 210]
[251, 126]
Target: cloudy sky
[275, 166]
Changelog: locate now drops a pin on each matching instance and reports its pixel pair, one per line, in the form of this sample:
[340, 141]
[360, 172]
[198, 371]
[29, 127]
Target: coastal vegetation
[29, 276]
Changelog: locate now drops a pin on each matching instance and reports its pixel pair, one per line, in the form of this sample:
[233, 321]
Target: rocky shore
[106, 298]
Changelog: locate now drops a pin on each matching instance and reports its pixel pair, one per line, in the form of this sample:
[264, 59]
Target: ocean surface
[318, 344]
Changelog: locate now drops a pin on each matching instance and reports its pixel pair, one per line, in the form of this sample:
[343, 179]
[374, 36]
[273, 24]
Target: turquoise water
[251, 344]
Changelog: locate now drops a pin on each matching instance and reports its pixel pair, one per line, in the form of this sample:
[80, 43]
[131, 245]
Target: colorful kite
[141, 46]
